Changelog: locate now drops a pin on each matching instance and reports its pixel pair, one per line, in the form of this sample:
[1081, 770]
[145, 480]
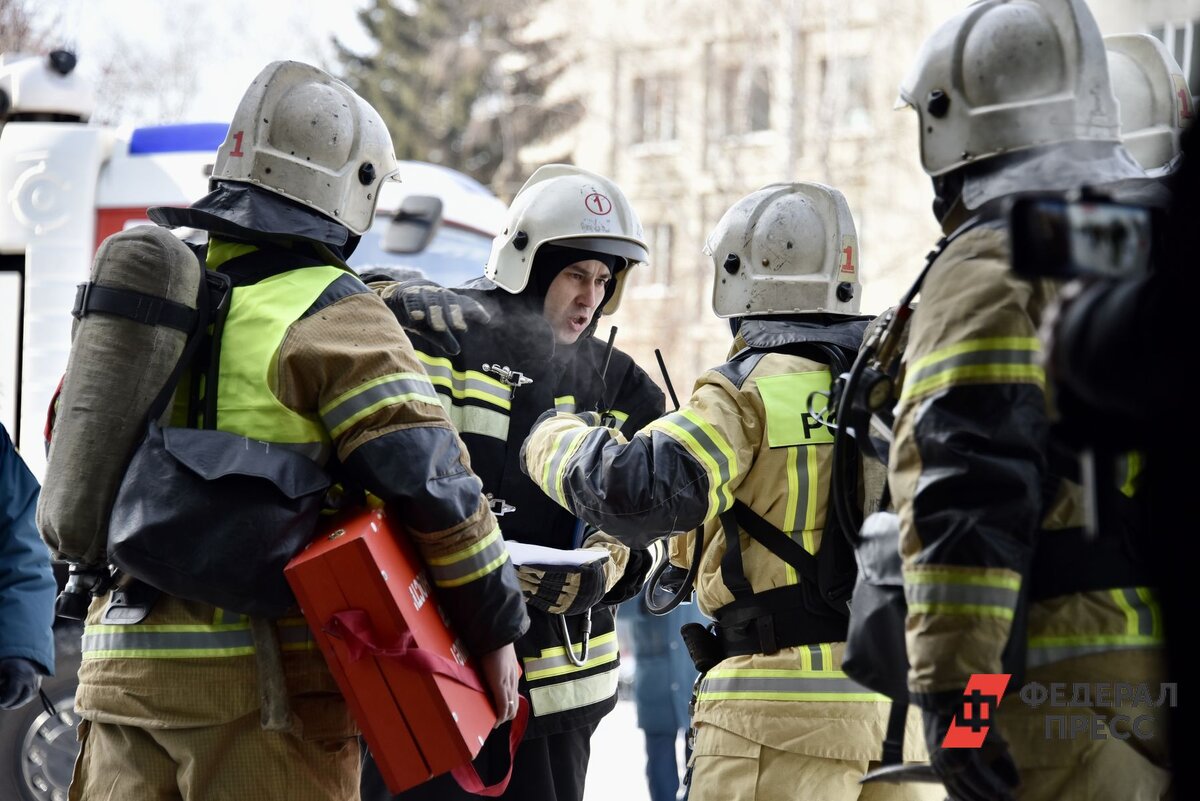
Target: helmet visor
[630, 251]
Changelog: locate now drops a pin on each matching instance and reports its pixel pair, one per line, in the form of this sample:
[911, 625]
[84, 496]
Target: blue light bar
[187, 137]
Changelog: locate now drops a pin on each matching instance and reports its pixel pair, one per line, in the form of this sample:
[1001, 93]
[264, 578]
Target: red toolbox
[408, 681]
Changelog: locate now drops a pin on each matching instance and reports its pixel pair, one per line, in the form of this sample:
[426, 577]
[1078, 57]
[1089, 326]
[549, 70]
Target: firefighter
[313, 360]
[1011, 97]
[569, 243]
[775, 716]
[26, 585]
[1132, 319]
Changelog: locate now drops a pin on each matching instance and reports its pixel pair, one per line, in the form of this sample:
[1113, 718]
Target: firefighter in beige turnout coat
[313, 361]
[1015, 97]
[776, 718]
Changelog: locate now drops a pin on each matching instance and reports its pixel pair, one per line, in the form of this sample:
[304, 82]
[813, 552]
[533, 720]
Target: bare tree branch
[23, 30]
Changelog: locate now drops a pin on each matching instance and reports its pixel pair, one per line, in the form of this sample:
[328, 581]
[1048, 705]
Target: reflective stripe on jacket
[574, 686]
[311, 359]
[493, 418]
[744, 434]
[970, 474]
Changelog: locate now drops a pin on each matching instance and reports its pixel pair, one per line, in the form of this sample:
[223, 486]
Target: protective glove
[638, 565]
[434, 312]
[19, 681]
[567, 589]
[987, 773]
[619, 558]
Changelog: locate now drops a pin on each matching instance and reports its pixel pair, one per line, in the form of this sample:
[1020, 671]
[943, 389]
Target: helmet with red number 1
[303, 161]
[570, 207]
[1008, 75]
[301, 133]
[785, 249]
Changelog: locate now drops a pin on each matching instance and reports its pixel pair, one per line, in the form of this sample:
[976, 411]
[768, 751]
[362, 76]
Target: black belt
[765, 622]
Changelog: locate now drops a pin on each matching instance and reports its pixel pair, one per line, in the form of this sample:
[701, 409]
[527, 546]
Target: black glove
[434, 312]
[563, 590]
[19, 680]
[987, 773]
[633, 580]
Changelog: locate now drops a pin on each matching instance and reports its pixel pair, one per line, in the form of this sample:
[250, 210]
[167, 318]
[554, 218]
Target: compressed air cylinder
[116, 368]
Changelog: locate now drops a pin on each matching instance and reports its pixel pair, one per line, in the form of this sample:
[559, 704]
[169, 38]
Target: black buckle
[765, 626]
[130, 604]
[82, 292]
[219, 287]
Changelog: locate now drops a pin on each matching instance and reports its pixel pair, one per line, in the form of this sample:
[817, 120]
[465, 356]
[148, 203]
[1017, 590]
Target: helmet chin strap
[947, 197]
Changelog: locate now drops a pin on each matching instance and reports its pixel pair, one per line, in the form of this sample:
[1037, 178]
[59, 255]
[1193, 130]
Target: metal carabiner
[585, 645]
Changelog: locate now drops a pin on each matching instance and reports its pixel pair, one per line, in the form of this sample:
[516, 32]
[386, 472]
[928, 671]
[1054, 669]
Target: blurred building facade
[692, 103]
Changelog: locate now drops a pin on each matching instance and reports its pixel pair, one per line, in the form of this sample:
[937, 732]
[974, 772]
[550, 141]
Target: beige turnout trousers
[235, 761]
[727, 767]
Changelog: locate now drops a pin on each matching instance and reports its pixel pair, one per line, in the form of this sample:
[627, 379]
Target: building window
[659, 239]
[848, 82]
[1182, 40]
[759, 111]
[745, 100]
[654, 108]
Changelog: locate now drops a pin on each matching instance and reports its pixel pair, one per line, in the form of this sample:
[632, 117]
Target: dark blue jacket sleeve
[26, 583]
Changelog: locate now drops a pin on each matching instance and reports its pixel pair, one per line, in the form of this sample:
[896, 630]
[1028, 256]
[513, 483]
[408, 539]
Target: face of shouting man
[573, 297]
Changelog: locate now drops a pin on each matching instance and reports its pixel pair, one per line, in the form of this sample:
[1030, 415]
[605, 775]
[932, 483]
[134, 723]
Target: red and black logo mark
[974, 717]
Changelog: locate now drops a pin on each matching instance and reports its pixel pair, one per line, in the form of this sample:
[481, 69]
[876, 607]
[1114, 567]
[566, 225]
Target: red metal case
[418, 723]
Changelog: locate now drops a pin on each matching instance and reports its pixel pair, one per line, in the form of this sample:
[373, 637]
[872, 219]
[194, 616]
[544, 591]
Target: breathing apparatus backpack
[133, 320]
[188, 510]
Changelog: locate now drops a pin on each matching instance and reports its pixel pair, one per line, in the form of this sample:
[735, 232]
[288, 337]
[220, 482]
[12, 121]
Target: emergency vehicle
[65, 185]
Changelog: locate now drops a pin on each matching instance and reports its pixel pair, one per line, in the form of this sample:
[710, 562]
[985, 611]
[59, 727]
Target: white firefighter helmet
[302, 134]
[1009, 75]
[785, 249]
[1154, 99]
[572, 207]
[33, 86]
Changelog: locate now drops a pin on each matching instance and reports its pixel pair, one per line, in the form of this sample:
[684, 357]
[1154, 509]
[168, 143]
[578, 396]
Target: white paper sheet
[525, 554]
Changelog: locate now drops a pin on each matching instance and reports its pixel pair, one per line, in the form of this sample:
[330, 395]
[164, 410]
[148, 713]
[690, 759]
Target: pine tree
[460, 84]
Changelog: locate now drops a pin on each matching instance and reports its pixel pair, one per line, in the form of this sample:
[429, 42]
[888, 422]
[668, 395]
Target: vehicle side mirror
[414, 225]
